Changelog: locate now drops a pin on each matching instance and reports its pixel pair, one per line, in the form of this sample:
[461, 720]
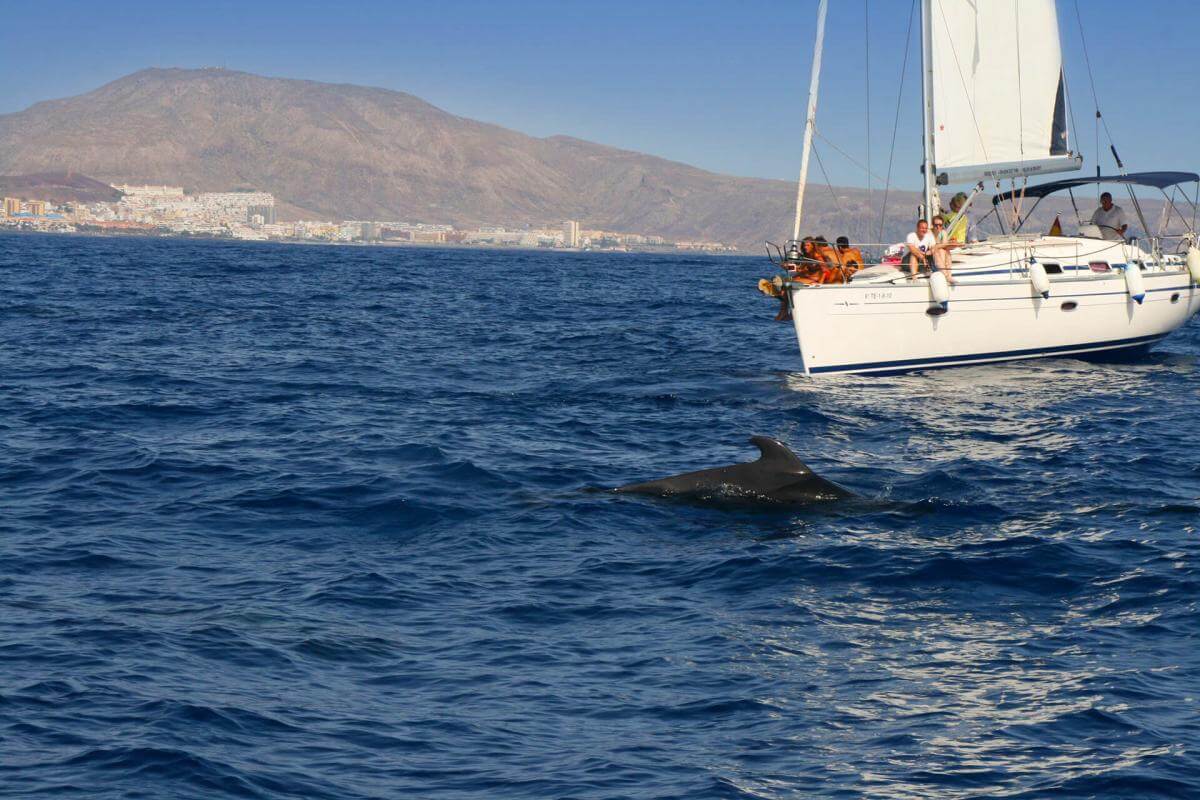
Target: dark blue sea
[314, 522]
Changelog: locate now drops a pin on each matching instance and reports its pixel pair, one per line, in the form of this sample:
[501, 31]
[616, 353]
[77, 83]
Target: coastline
[503, 248]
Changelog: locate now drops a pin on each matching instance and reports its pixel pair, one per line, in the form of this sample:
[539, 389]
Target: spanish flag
[1056, 228]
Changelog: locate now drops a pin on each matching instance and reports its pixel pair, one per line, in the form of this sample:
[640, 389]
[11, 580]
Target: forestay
[999, 105]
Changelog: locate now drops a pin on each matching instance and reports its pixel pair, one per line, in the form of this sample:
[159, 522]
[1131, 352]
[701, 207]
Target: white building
[158, 205]
[570, 233]
[149, 192]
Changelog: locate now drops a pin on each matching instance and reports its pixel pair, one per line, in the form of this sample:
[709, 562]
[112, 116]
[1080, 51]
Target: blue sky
[716, 83]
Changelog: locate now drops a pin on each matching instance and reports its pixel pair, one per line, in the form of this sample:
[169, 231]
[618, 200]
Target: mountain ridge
[346, 151]
[58, 187]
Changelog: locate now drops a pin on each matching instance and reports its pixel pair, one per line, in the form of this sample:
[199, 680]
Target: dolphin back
[778, 476]
[777, 455]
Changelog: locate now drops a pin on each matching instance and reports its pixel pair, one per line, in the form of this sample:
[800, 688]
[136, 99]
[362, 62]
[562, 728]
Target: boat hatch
[1099, 266]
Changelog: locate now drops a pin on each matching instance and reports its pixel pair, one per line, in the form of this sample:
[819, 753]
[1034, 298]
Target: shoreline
[663, 251]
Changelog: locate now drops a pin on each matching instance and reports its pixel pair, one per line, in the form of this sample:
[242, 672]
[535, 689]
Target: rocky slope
[340, 151]
[58, 187]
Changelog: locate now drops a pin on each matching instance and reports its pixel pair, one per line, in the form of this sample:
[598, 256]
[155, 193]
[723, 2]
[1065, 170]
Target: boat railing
[1175, 244]
[1165, 252]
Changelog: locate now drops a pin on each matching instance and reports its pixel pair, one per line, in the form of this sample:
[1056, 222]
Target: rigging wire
[867, 73]
[1017, 221]
[1165, 217]
[896, 125]
[1070, 106]
[818, 135]
[836, 203]
[1074, 205]
[1100, 120]
[1137, 207]
[1020, 83]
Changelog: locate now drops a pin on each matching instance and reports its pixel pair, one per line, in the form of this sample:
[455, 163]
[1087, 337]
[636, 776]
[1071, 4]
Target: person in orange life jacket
[850, 258]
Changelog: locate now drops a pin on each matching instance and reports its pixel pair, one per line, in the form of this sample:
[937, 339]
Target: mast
[811, 119]
[927, 167]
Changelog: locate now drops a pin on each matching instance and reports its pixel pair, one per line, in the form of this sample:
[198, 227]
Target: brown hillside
[58, 187]
[340, 151]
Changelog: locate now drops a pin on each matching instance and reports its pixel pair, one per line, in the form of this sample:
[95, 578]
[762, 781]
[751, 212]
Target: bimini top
[1160, 180]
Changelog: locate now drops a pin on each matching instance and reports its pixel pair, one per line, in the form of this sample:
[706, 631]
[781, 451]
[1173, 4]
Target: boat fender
[1193, 262]
[1039, 278]
[939, 289]
[1133, 283]
[766, 287]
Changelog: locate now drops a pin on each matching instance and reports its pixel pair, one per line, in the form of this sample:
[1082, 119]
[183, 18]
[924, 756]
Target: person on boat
[919, 244]
[813, 263]
[821, 251]
[830, 263]
[849, 258]
[941, 250]
[808, 268]
[957, 223]
[823, 263]
[1110, 219]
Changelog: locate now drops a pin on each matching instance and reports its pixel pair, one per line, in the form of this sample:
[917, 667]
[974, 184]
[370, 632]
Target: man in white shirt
[920, 246]
[1110, 219]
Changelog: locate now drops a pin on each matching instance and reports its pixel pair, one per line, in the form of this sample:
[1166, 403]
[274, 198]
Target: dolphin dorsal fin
[777, 455]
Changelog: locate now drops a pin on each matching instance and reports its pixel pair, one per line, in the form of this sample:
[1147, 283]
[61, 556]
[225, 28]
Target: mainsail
[997, 90]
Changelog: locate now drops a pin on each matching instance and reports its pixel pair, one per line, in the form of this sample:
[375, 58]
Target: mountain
[58, 187]
[341, 151]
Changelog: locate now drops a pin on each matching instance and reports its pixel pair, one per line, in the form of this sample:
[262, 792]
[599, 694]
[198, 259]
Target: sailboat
[995, 114]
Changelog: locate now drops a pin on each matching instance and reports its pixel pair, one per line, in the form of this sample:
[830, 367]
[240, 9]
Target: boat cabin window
[1051, 268]
[1099, 266]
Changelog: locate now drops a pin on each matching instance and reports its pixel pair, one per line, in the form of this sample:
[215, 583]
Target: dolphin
[778, 476]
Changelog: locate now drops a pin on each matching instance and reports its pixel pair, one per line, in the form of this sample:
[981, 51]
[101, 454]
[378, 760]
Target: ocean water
[313, 522]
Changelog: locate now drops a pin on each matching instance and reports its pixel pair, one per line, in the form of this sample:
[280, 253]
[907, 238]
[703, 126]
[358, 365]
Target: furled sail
[999, 106]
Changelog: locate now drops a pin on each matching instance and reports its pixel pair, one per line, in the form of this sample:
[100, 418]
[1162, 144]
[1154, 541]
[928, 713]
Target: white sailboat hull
[897, 327]
[1104, 294]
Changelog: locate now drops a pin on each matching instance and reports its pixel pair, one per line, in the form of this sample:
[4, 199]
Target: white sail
[998, 96]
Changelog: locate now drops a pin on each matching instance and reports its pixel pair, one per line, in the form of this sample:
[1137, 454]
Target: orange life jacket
[851, 258]
[848, 260]
[840, 264]
[810, 273]
[831, 265]
[826, 253]
[834, 275]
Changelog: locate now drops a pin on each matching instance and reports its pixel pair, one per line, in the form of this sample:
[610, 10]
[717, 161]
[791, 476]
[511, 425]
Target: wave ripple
[310, 522]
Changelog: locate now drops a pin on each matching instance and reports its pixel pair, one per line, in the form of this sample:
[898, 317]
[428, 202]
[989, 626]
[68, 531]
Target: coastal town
[248, 215]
